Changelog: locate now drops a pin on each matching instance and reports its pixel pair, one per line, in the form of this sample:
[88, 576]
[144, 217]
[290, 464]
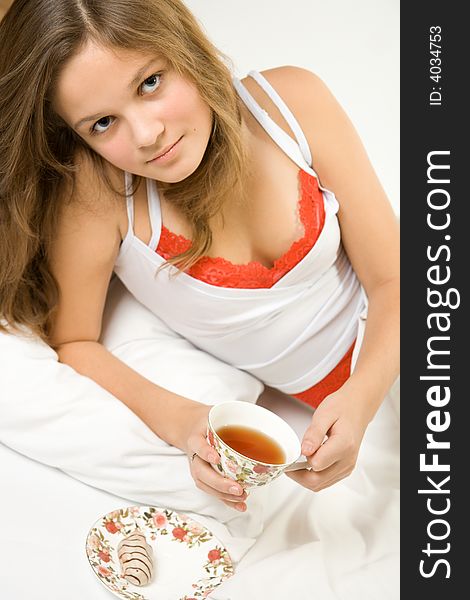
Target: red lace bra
[222, 272]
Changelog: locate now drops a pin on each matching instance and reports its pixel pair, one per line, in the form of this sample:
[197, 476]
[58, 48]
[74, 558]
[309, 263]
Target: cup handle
[297, 466]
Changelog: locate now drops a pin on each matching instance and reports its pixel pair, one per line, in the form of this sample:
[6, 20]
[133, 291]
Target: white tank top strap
[286, 113]
[155, 212]
[154, 209]
[277, 134]
[129, 200]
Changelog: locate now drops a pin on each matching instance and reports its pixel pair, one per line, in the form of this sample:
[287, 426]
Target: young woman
[245, 214]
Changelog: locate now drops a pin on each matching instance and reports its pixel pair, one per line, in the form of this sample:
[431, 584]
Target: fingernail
[214, 458]
[307, 448]
[235, 490]
[240, 507]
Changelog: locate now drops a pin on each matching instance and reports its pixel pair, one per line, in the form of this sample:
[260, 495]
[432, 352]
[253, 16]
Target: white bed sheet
[341, 543]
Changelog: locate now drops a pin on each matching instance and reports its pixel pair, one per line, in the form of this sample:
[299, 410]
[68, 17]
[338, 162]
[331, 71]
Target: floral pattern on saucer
[246, 471]
[166, 528]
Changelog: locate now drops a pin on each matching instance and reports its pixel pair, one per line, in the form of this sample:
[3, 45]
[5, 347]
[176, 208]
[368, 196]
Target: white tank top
[289, 336]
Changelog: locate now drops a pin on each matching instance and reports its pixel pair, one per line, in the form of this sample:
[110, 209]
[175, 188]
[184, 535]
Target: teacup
[235, 465]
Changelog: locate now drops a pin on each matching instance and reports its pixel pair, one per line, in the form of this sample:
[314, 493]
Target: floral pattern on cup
[156, 523]
[244, 470]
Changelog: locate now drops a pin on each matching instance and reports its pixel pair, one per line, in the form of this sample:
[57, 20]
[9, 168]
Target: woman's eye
[151, 83]
[102, 125]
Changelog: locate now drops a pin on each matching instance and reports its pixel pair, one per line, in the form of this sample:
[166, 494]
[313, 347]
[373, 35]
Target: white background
[352, 45]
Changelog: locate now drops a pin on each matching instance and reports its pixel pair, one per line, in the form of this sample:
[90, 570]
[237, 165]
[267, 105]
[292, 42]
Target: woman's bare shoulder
[303, 91]
[323, 120]
[90, 211]
[291, 79]
[89, 196]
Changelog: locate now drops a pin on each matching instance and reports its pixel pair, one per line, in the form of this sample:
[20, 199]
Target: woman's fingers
[241, 506]
[316, 433]
[204, 451]
[214, 483]
[319, 480]
[336, 448]
[207, 479]
[228, 499]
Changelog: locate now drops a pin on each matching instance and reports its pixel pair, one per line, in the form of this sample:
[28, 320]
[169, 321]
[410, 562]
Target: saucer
[189, 561]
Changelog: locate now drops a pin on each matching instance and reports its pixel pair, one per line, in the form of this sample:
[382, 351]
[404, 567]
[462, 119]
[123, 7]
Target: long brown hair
[37, 38]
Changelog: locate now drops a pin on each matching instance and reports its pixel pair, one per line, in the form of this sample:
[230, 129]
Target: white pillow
[52, 414]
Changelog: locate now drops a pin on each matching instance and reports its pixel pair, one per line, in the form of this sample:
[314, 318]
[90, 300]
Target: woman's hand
[201, 455]
[332, 441]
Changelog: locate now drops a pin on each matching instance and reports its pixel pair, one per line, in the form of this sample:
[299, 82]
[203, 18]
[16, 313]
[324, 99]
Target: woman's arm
[370, 235]
[82, 260]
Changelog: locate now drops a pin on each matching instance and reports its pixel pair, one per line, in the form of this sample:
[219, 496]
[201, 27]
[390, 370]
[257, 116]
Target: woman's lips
[166, 153]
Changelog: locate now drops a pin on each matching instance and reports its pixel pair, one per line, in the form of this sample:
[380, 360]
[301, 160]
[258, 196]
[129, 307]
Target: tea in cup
[254, 444]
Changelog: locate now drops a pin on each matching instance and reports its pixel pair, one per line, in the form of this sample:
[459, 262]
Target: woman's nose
[146, 129]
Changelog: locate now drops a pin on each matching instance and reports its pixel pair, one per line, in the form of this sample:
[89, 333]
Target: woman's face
[135, 111]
